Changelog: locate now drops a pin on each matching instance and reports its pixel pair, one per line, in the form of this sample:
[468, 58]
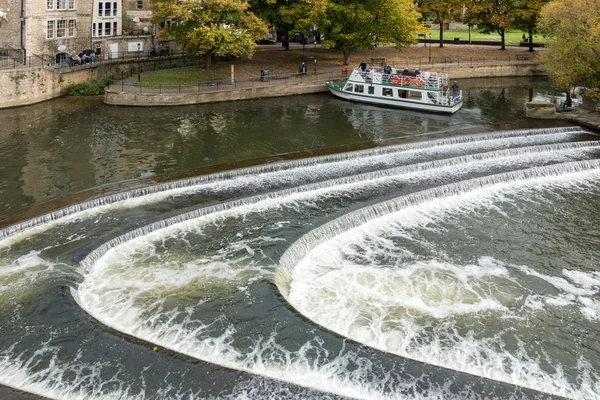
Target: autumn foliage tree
[573, 56]
[350, 25]
[210, 27]
[493, 16]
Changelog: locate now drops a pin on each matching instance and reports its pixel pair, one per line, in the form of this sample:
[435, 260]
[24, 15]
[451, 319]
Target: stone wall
[10, 28]
[27, 86]
[173, 99]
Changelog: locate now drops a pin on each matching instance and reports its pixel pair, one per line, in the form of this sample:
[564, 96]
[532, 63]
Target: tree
[210, 27]
[493, 16]
[573, 57]
[270, 11]
[350, 25]
[526, 16]
[441, 11]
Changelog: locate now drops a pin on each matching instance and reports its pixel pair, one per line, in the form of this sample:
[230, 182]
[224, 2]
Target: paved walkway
[581, 116]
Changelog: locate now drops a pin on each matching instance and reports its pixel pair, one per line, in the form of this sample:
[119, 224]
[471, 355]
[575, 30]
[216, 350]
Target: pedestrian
[152, 51]
[92, 57]
[455, 89]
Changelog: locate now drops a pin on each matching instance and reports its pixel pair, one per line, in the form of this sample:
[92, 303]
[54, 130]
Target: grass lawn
[180, 76]
[511, 36]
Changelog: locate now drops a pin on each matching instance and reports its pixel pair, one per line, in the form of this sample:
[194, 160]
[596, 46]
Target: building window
[140, 3]
[61, 28]
[72, 27]
[71, 4]
[114, 28]
[50, 30]
[49, 4]
[99, 9]
[94, 30]
[61, 4]
[107, 12]
[107, 29]
[114, 9]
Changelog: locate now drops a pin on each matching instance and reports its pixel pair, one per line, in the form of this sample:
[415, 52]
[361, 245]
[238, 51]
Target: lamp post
[429, 47]
[315, 53]
[138, 57]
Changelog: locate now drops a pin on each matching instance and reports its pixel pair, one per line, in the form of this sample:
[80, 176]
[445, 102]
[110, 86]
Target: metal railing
[211, 85]
[45, 60]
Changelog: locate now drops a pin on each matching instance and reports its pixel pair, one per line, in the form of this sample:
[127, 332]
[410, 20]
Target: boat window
[349, 87]
[387, 92]
[413, 94]
[371, 89]
[403, 94]
[359, 88]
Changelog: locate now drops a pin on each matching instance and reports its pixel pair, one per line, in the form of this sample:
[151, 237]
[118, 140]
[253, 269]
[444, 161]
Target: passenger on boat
[406, 72]
[455, 89]
[363, 66]
[417, 72]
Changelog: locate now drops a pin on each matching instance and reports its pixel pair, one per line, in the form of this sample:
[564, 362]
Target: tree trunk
[286, 41]
[502, 38]
[469, 34]
[208, 59]
[530, 39]
[441, 33]
[346, 58]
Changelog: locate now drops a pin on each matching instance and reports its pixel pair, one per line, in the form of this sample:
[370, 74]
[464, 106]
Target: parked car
[265, 41]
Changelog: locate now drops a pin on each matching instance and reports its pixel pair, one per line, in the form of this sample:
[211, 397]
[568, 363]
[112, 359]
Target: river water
[299, 247]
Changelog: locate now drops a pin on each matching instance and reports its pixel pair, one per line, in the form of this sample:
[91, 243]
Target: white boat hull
[400, 103]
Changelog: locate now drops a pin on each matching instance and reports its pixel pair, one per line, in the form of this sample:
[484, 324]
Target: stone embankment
[587, 115]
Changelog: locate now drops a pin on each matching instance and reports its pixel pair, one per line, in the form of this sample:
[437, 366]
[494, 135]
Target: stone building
[46, 27]
[107, 26]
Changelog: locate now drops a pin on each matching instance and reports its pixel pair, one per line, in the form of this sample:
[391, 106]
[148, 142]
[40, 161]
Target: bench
[213, 81]
[446, 60]
[280, 75]
[522, 57]
[380, 62]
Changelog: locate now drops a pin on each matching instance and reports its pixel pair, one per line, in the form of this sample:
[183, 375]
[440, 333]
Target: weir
[330, 185]
[351, 220]
[188, 266]
[264, 169]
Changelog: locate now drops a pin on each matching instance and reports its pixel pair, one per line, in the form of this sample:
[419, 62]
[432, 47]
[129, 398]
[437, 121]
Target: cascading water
[461, 268]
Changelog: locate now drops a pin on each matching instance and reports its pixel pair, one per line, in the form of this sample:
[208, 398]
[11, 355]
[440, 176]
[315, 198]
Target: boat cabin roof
[423, 80]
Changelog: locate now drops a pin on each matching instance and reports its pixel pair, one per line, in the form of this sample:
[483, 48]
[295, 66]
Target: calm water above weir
[459, 264]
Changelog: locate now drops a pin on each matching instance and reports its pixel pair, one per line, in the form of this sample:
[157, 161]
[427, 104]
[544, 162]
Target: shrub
[92, 88]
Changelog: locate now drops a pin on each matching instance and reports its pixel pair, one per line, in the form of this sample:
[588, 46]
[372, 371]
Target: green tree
[526, 16]
[270, 11]
[210, 27]
[440, 12]
[573, 57]
[350, 25]
[493, 16]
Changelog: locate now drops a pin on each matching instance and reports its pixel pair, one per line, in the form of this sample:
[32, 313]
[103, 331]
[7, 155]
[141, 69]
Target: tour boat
[423, 91]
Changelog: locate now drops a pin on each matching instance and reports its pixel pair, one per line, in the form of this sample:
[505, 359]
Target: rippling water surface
[459, 266]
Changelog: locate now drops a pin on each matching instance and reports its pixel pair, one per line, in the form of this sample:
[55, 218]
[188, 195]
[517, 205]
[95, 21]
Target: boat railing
[426, 79]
